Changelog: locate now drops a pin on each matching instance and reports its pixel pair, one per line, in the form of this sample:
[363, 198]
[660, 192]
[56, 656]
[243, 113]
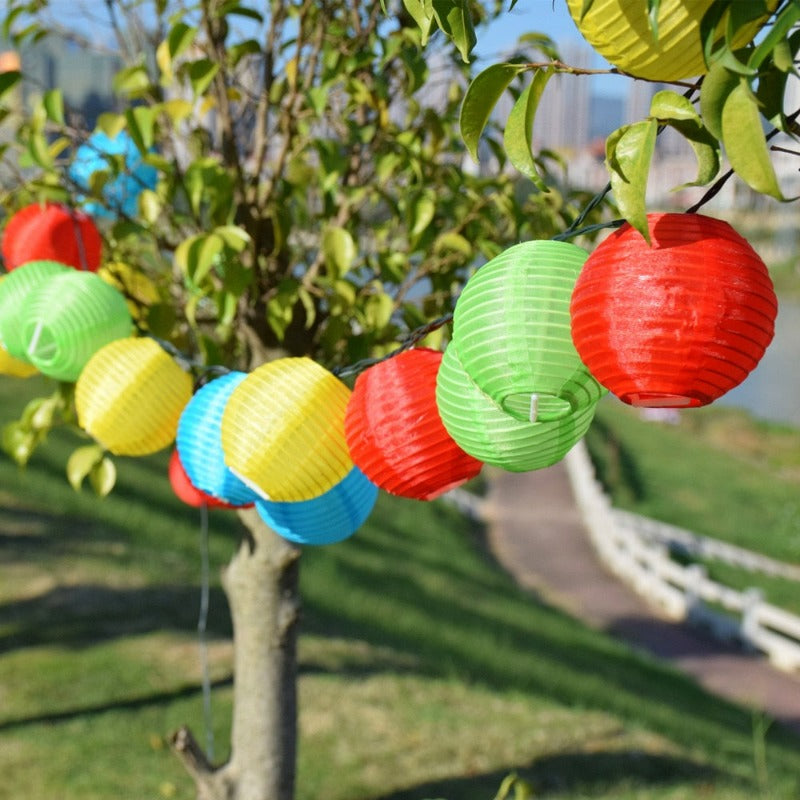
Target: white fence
[637, 551]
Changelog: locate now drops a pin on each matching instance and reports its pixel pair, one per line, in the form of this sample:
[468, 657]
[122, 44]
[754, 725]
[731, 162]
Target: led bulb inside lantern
[512, 327]
[487, 432]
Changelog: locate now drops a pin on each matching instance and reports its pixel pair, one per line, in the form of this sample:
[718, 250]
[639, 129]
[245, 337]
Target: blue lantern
[122, 189]
[331, 517]
[199, 442]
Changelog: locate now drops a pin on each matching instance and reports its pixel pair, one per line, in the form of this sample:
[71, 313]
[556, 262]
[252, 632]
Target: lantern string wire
[202, 627]
[576, 228]
[76, 228]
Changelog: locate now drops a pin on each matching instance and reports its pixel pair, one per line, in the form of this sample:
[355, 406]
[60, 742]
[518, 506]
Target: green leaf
[678, 112]
[452, 241]
[111, 124]
[629, 167]
[103, 476]
[141, 126]
[53, 102]
[718, 83]
[423, 210]
[239, 50]
[455, 19]
[82, 462]
[161, 319]
[38, 151]
[177, 109]
[745, 143]
[8, 80]
[18, 442]
[480, 99]
[180, 38]
[201, 73]
[777, 32]
[131, 80]
[783, 57]
[234, 237]
[339, 250]
[422, 14]
[669, 105]
[652, 17]
[518, 133]
[244, 11]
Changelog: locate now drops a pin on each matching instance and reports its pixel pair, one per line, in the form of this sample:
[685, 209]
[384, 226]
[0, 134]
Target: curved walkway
[536, 534]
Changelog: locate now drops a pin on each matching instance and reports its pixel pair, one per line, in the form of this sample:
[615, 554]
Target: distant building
[84, 77]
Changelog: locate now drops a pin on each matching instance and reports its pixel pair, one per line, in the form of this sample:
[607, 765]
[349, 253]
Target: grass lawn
[424, 673]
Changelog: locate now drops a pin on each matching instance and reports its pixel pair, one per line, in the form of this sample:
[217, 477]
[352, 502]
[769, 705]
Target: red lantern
[52, 232]
[187, 491]
[677, 323]
[394, 431]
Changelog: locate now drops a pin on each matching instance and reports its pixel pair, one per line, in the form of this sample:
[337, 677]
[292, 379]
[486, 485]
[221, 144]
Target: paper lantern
[512, 327]
[185, 490]
[122, 189]
[52, 232]
[676, 324]
[14, 367]
[490, 434]
[283, 430]
[67, 319]
[14, 291]
[333, 516]
[394, 432]
[130, 396]
[199, 442]
[620, 31]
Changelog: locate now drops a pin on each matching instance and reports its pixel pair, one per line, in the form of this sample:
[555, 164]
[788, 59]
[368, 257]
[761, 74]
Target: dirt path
[536, 533]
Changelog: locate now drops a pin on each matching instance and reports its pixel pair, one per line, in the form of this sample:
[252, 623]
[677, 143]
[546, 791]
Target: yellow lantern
[283, 430]
[14, 367]
[620, 31]
[130, 396]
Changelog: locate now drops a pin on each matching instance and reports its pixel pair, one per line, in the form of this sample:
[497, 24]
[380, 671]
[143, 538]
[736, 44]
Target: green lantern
[68, 319]
[485, 431]
[512, 327]
[14, 289]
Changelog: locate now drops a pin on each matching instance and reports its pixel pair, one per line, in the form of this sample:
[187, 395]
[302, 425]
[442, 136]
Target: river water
[772, 390]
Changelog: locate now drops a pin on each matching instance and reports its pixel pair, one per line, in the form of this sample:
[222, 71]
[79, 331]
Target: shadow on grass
[132, 704]
[76, 616]
[585, 773]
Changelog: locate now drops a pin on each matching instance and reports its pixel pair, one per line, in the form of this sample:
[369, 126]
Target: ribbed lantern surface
[333, 516]
[120, 191]
[14, 291]
[68, 319]
[185, 490]
[283, 430]
[490, 434]
[512, 327]
[394, 431]
[620, 31]
[199, 442]
[677, 324]
[130, 396]
[52, 232]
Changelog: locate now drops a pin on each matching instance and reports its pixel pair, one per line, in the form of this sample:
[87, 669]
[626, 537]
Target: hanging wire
[76, 228]
[202, 628]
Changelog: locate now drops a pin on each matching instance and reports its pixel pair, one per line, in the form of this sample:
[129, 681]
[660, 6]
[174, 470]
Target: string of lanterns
[540, 334]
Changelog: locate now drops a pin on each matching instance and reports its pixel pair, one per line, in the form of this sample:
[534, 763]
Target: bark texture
[261, 583]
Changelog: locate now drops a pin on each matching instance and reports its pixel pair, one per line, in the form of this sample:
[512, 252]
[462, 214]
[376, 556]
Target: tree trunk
[261, 583]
